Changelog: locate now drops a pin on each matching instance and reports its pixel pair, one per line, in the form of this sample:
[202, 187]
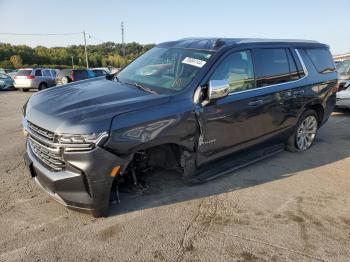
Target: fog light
[25, 132]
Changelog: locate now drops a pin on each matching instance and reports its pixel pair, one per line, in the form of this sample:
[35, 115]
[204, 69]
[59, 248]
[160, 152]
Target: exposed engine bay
[134, 179]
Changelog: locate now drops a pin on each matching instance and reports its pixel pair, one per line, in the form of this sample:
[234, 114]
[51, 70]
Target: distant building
[341, 57]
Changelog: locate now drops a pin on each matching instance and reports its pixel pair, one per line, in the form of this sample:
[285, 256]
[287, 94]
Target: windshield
[343, 67]
[165, 69]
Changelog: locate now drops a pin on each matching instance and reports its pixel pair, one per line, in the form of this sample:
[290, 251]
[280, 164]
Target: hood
[87, 106]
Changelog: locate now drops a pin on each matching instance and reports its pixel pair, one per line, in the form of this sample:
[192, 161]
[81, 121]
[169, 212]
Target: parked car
[35, 78]
[66, 76]
[343, 96]
[6, 82]
[13, 73]
[5, 71]
[100, 71]
[204, 107]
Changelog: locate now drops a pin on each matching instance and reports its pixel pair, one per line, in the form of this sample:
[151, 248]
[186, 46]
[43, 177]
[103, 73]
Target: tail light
[30, 77]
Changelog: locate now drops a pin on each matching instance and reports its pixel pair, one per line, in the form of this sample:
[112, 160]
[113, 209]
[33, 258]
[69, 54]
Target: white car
[343, 96]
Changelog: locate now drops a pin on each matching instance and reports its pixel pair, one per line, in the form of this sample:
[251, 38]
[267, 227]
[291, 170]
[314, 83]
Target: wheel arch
[318, 108]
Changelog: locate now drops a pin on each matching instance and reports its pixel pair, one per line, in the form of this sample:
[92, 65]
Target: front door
[253, 111]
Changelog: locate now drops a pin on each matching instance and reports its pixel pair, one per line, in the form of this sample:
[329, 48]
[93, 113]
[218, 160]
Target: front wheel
[305, 132]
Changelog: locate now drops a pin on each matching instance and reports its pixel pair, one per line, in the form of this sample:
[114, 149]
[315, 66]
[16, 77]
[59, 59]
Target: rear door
[47, 77]
[253, 111]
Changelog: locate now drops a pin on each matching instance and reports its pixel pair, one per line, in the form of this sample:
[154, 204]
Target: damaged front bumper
[85, 182]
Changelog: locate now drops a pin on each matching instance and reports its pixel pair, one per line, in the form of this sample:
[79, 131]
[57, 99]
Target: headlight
[80, 142]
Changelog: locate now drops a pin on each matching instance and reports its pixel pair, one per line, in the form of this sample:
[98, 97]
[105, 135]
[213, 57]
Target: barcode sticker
[194, 62]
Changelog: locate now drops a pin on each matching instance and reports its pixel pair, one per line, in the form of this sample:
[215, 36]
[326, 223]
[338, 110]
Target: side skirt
[232, 163]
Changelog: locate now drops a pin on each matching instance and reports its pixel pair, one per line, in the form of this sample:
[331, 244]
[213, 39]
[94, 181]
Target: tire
[25, 89]
[42, 86]
[305, 132]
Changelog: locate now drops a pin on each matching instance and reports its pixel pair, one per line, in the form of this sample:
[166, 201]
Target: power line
[98, 39]
[43, 34]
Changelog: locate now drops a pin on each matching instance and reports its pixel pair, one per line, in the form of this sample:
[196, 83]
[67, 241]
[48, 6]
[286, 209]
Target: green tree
[16, 61]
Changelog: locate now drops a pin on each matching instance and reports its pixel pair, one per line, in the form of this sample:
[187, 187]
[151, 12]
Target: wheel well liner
[319, 110]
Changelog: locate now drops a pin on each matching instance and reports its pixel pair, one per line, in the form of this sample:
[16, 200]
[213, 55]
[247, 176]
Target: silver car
[343, 96]
[6, 82]
[35, 78]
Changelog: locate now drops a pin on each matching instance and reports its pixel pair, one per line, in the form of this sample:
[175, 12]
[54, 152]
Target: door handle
[256, 103]
[298, 93]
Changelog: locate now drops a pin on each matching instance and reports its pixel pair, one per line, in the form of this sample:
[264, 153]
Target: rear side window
[271, 66]
[80, 75]
[46, 73]
[38, 73]
[24, 72]
[322, 59]
[90, 74]
[100, 72]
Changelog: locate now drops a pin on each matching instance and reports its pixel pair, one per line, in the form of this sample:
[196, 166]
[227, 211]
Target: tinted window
[237, 68]
[24, 72]
[322, 59]
[100, 72]
[90, 74]
[299, 66]
[54, 73]
[46, 73]
[80, 75]
[38, 73]
[294, 72]
[271, 67]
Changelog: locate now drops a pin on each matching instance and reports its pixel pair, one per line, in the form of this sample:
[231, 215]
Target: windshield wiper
[139, 86]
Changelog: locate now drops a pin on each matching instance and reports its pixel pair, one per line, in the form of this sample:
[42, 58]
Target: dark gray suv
[202, 106]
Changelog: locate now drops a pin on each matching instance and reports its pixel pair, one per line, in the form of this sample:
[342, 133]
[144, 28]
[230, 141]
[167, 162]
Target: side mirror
[218, 89]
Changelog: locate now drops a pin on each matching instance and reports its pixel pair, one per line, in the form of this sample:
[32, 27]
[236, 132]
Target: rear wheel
[305, 132]
[42, 86]
[25, 89]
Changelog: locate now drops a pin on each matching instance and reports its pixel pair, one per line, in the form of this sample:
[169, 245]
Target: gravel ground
[291, 207]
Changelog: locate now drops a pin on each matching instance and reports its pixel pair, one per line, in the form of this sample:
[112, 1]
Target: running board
[232, 163]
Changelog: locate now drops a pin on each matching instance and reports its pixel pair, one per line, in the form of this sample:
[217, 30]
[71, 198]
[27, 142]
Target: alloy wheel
[306, 133]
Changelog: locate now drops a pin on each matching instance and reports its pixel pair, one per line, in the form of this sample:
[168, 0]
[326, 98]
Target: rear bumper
[84, 185]
[26, 84]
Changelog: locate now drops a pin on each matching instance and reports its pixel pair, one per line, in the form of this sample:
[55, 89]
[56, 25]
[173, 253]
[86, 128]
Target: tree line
[105, 54]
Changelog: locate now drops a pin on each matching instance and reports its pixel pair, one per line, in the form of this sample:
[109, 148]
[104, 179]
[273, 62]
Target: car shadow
[165, 188]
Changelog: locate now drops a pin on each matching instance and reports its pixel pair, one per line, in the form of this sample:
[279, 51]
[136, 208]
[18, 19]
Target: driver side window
[237, 68]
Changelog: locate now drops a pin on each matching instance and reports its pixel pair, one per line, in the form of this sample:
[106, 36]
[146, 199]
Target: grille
[49, 156]
[42, 133]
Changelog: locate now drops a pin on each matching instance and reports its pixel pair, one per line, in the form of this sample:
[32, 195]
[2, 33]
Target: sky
[155, 21]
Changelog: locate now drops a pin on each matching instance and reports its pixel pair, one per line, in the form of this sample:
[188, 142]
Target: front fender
[170, 123]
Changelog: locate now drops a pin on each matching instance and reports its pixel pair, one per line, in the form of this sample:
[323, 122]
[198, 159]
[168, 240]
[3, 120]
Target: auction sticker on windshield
[194, 62]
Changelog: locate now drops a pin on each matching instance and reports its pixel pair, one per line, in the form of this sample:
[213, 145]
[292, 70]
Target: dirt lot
[288, 207]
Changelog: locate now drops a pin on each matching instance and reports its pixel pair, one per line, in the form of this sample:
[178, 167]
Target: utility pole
[86, 55]
[72, 61]
[123, 44]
